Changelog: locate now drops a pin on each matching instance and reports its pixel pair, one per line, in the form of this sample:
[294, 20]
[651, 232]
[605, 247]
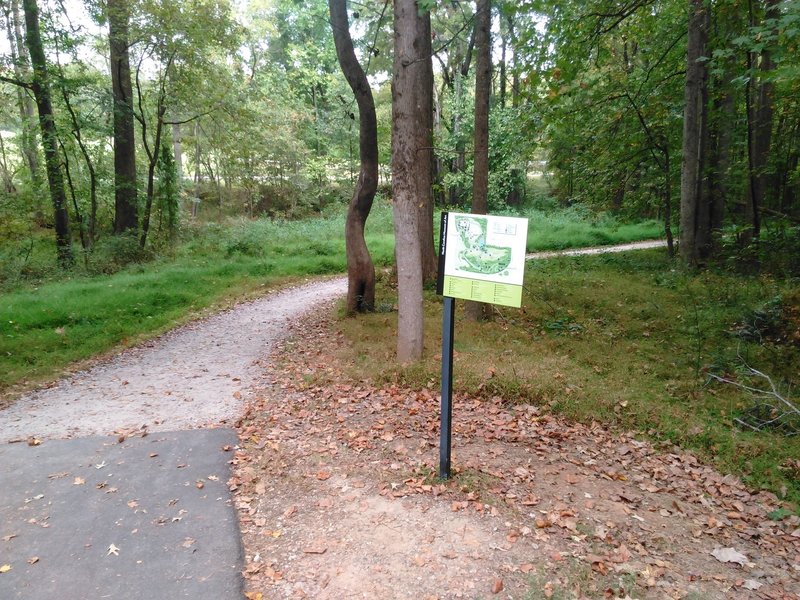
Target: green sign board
[482, 258]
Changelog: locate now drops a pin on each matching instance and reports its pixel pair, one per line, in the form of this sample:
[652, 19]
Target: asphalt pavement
[143, 518]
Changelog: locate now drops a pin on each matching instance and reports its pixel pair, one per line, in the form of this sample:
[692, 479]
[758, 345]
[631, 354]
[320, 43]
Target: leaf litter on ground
[335, 484]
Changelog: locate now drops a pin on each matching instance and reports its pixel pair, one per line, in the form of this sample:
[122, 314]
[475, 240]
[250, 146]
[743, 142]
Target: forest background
[159, 157]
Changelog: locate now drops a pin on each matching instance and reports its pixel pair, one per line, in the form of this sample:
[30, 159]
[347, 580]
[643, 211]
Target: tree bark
[177, 149]
[21, 60]
[360, 269]
[762, 128]
[691, 167]
[41, 92]
[411, 141]
[5, 172]
[503, 84]
[424, 49]
[154, 150]
[483, 85]
[87, 229]
[125, 184]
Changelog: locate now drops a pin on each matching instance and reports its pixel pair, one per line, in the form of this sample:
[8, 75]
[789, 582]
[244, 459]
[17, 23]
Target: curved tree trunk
[360, 270]
[41, 92]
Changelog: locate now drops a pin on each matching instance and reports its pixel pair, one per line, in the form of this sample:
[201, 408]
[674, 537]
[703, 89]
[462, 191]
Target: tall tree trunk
[719, 159]
[88, 227]
[360, 269]
[153, 151]
[483, 84]
[761, 128]
[503, 49]
[8, 181]
[429, 258]
[703, 213]
[125, 184]
[198, 175]
[177, 149]
[668, 200]
[25, 106]
[411, 92]
[455, 193]
[41, 92]
[691, 167]
[514, 71]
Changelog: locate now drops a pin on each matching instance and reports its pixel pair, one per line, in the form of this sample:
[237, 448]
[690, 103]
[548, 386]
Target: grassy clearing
[579, 228]
[46, 327]
[627, 340]
[50, 319]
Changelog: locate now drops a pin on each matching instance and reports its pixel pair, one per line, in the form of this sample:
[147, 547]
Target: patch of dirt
[335, 482]
[194, 376]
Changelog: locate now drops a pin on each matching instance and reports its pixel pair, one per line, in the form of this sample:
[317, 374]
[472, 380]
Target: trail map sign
[482, 258]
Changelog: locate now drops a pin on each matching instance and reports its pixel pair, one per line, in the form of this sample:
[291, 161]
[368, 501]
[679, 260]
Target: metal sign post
[486, 263]
[448, 326]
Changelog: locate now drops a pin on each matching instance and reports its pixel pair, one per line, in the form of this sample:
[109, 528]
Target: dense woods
[161, 156]
[125, 119]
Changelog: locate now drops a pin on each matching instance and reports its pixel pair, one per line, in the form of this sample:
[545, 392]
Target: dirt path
[336, 490]
[336, 487]
[193, 376]
[599, 249]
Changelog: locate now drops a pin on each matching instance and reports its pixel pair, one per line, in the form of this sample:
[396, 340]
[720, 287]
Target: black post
[448, 326]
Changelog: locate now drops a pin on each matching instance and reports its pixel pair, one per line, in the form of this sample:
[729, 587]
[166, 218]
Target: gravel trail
[598, 249]
[193, 376]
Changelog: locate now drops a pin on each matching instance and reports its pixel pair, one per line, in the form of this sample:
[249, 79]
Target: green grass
[624, 339]
[577, 228]
[46, 327]
[50, 319]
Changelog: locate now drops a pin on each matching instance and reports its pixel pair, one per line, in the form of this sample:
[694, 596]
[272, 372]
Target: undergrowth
[624, 339]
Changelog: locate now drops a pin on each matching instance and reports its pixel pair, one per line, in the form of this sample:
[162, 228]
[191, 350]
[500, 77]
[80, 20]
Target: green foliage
[622, 339]
[776, 251]
[577, 227]
[44, 328]
[167, 195]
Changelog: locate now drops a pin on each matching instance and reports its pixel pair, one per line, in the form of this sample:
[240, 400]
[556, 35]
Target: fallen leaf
[5, 568]
[79, 481]
[33, 560]
[497, 586]
[187, 543]
[112, 549]
[315, 548]
[9, 537]
[199, 485]
[729, 555]
[254, 595]
[323, 475]
[752, 584]
[32, 441]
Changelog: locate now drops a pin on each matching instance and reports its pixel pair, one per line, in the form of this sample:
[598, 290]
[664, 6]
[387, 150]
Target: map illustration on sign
[482, 257]
[476, 256]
